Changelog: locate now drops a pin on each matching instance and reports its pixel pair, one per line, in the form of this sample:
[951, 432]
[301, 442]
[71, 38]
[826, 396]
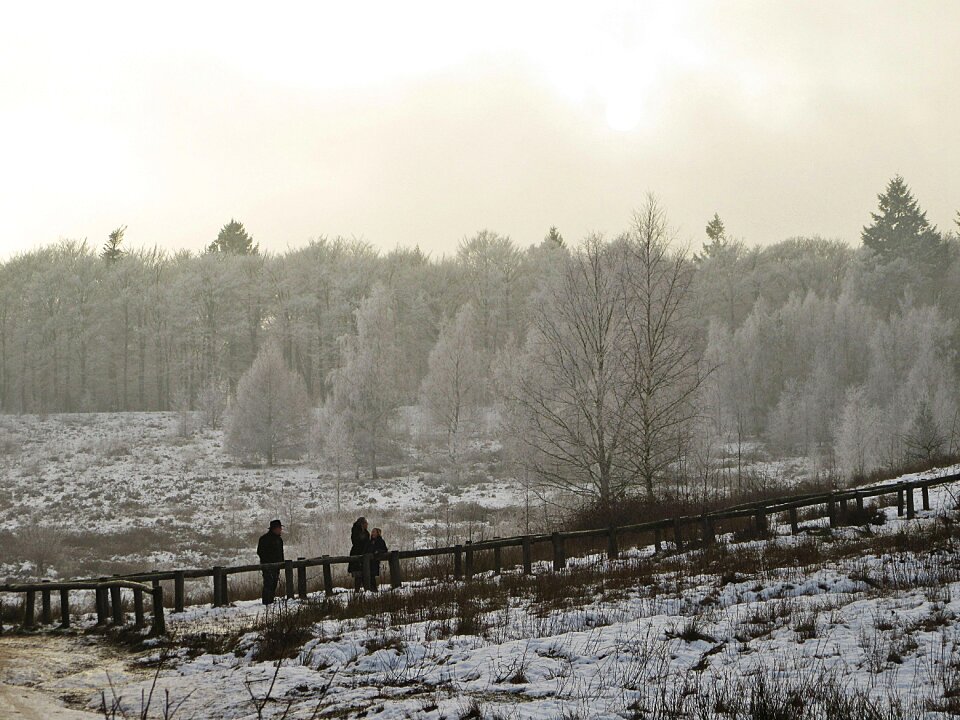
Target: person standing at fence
[270, 550]
[360, 539]
[378, 546]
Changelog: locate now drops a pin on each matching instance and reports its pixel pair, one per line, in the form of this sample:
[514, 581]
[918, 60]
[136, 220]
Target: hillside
[854, 622]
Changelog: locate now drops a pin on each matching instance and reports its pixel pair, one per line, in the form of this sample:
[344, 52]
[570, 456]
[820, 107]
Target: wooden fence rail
[706, 526]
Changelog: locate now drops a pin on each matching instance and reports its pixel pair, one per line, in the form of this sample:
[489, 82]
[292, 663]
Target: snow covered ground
[154, 498]
[96, 494]
[831, 624]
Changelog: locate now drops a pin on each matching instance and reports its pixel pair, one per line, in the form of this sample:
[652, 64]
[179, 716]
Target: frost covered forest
[605, 365]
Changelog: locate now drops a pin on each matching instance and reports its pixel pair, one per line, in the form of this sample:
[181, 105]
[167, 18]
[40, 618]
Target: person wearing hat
[270, 550]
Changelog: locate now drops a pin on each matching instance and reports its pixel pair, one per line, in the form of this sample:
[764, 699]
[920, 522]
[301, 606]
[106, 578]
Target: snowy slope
[821, 621]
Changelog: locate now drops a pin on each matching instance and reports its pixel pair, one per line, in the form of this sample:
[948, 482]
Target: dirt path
[30, 665]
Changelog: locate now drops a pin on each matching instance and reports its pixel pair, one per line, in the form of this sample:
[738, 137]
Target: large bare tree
[611, 368]
[667, 373]
[577, 389]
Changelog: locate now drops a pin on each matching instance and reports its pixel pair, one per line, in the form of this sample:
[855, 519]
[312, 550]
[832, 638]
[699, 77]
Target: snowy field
[139, 494]
[857, 622]
[96, 494]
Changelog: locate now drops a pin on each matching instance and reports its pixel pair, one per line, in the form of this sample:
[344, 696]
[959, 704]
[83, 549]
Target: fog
[423, 124]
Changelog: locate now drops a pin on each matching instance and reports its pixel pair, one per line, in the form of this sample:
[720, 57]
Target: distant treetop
[553, 237]
[233, 238]
[717, 236]
[900, 229]
[111, 248]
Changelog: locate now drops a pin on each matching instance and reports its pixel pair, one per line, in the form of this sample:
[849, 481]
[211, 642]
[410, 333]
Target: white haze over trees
[614, 366]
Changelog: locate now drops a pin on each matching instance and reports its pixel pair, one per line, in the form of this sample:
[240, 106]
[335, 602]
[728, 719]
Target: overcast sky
[422, 123]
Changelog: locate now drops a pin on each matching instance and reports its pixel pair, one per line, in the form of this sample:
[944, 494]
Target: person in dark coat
[270, 550]
[360, 538]
[378, 546]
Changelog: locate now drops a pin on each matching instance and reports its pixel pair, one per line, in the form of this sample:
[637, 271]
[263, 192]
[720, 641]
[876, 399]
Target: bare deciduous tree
[612, 369]
[577, 388]
[667, 372]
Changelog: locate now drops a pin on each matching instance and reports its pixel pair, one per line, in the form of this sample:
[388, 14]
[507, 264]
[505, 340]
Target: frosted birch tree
[858, 435]
[364, 388]
[333, 446]
[452, 386]
[270, 418]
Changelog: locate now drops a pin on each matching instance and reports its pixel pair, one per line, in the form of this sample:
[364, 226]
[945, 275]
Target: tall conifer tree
[233, 238]
[901, 230]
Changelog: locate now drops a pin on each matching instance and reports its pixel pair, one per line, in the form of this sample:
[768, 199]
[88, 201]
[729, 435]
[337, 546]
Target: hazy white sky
[424, 122]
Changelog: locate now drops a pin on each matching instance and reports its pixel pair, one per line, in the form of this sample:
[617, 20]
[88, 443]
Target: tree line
[613, 363]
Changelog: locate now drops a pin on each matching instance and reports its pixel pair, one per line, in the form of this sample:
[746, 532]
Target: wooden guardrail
[108, 600]
[675, 530]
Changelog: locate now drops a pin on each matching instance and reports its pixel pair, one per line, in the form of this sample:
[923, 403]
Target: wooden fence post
[859, 497]
[468, 569]
[215, 574]
[116, 604]
[527, 555]
[457, 562]
[178, 591]
[29, 607]
[100, 595]
[760, 520]
[217, 600]
[658, 540]
[843, 508]
[926, 497]
[301, 578]
[793, 521]
[288, 578]
[832, 510]
[45, 617]
[613, 551]
[497, 558]
[327, 578]
[64, 608]
[900, 503]
[559, 552]
[138, 607]
[677, 534]
[159, 624]
[395, 579]
[911, 511]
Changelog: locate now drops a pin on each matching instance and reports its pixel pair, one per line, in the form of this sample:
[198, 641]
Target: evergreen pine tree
[717, 235]
[901, 230]
[233, 238]
[716, 230]
[553, 237]
[111, 248]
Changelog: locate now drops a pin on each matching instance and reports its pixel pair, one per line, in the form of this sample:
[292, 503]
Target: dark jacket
[377, 545]
[270, 548]
[361, 544]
